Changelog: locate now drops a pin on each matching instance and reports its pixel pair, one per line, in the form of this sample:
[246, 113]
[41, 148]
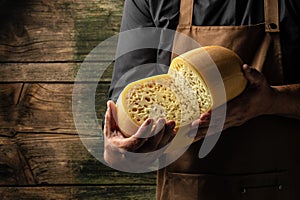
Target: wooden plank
[63, 30]
[48, 108]
[53, 72]
[14, 169]
[10, 95]
[78, 193]
[45, 108]
[63, 159]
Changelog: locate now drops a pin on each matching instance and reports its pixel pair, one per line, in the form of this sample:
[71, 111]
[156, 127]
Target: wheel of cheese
[192, 86]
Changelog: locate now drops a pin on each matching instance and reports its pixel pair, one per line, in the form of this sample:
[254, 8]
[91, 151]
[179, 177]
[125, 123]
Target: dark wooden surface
[78, 192]
[42, 45]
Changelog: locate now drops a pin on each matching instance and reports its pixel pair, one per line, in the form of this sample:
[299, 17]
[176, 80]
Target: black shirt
[165, 14]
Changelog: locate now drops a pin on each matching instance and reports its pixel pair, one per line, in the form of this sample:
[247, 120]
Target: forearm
[286, 101]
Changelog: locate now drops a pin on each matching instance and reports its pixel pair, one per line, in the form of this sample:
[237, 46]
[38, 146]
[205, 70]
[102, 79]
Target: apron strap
[186, 13]
[271, 16]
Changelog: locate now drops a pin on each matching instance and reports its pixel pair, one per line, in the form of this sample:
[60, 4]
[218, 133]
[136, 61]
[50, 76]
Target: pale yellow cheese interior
[195, 82]
[153, 97]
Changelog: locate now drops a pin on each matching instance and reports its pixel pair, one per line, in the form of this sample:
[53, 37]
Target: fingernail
[161, 121]
[247, 68]
[172, 125]
[160, 124]
[149, 121]
[195, 123]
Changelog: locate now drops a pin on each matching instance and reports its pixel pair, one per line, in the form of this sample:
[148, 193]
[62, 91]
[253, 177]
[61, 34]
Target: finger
[113, 109]
[159, 127]
[156, 136]
[252, 75]
[145, 129]
[205, 116]
[110, 124]
[171, 125]
[168, 135]
[200, 126]
[159, 134]
[197, 134]
[140, 137]
[203, 119]
[200, 123]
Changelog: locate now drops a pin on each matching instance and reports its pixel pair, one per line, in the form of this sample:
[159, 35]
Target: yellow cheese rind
[125, 123]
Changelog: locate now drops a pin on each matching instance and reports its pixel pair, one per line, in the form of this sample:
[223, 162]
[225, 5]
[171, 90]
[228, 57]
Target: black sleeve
[290, 39]
[136, 14]
[142, 24]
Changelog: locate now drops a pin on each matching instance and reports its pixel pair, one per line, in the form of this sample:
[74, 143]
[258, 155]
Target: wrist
[277, 101]
[286, 100]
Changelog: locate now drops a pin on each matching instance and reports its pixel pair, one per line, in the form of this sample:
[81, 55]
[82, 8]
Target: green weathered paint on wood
[51, 31]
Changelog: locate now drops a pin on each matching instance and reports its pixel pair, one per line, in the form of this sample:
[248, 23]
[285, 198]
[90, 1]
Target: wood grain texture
[53, 72]
[42, 107]
[64, 30]
[63, 159]
[132, 192]
[14, 169]
[48, 108]
[9, 98]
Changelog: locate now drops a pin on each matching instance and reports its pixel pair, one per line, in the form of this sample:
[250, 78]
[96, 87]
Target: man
[257, 155]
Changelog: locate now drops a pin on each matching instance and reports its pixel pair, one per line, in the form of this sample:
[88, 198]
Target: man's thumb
[252, 75]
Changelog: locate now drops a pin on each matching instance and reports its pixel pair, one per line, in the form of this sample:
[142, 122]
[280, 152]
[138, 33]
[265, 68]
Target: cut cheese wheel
[192, 86]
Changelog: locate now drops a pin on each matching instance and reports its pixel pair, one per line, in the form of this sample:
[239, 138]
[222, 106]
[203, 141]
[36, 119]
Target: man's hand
[126, 153]
[257, 99]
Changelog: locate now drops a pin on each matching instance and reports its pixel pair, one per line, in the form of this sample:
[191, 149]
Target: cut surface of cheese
[155, 97]
[190, 88]
[214, 68]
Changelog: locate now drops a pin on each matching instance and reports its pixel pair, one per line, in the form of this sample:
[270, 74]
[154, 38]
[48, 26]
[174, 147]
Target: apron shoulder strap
[186, 13]
[271, 15]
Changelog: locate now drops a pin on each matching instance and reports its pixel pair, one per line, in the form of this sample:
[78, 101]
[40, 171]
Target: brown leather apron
[258, 160]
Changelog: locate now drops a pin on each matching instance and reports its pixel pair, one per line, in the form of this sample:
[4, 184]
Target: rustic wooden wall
[42, 44]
